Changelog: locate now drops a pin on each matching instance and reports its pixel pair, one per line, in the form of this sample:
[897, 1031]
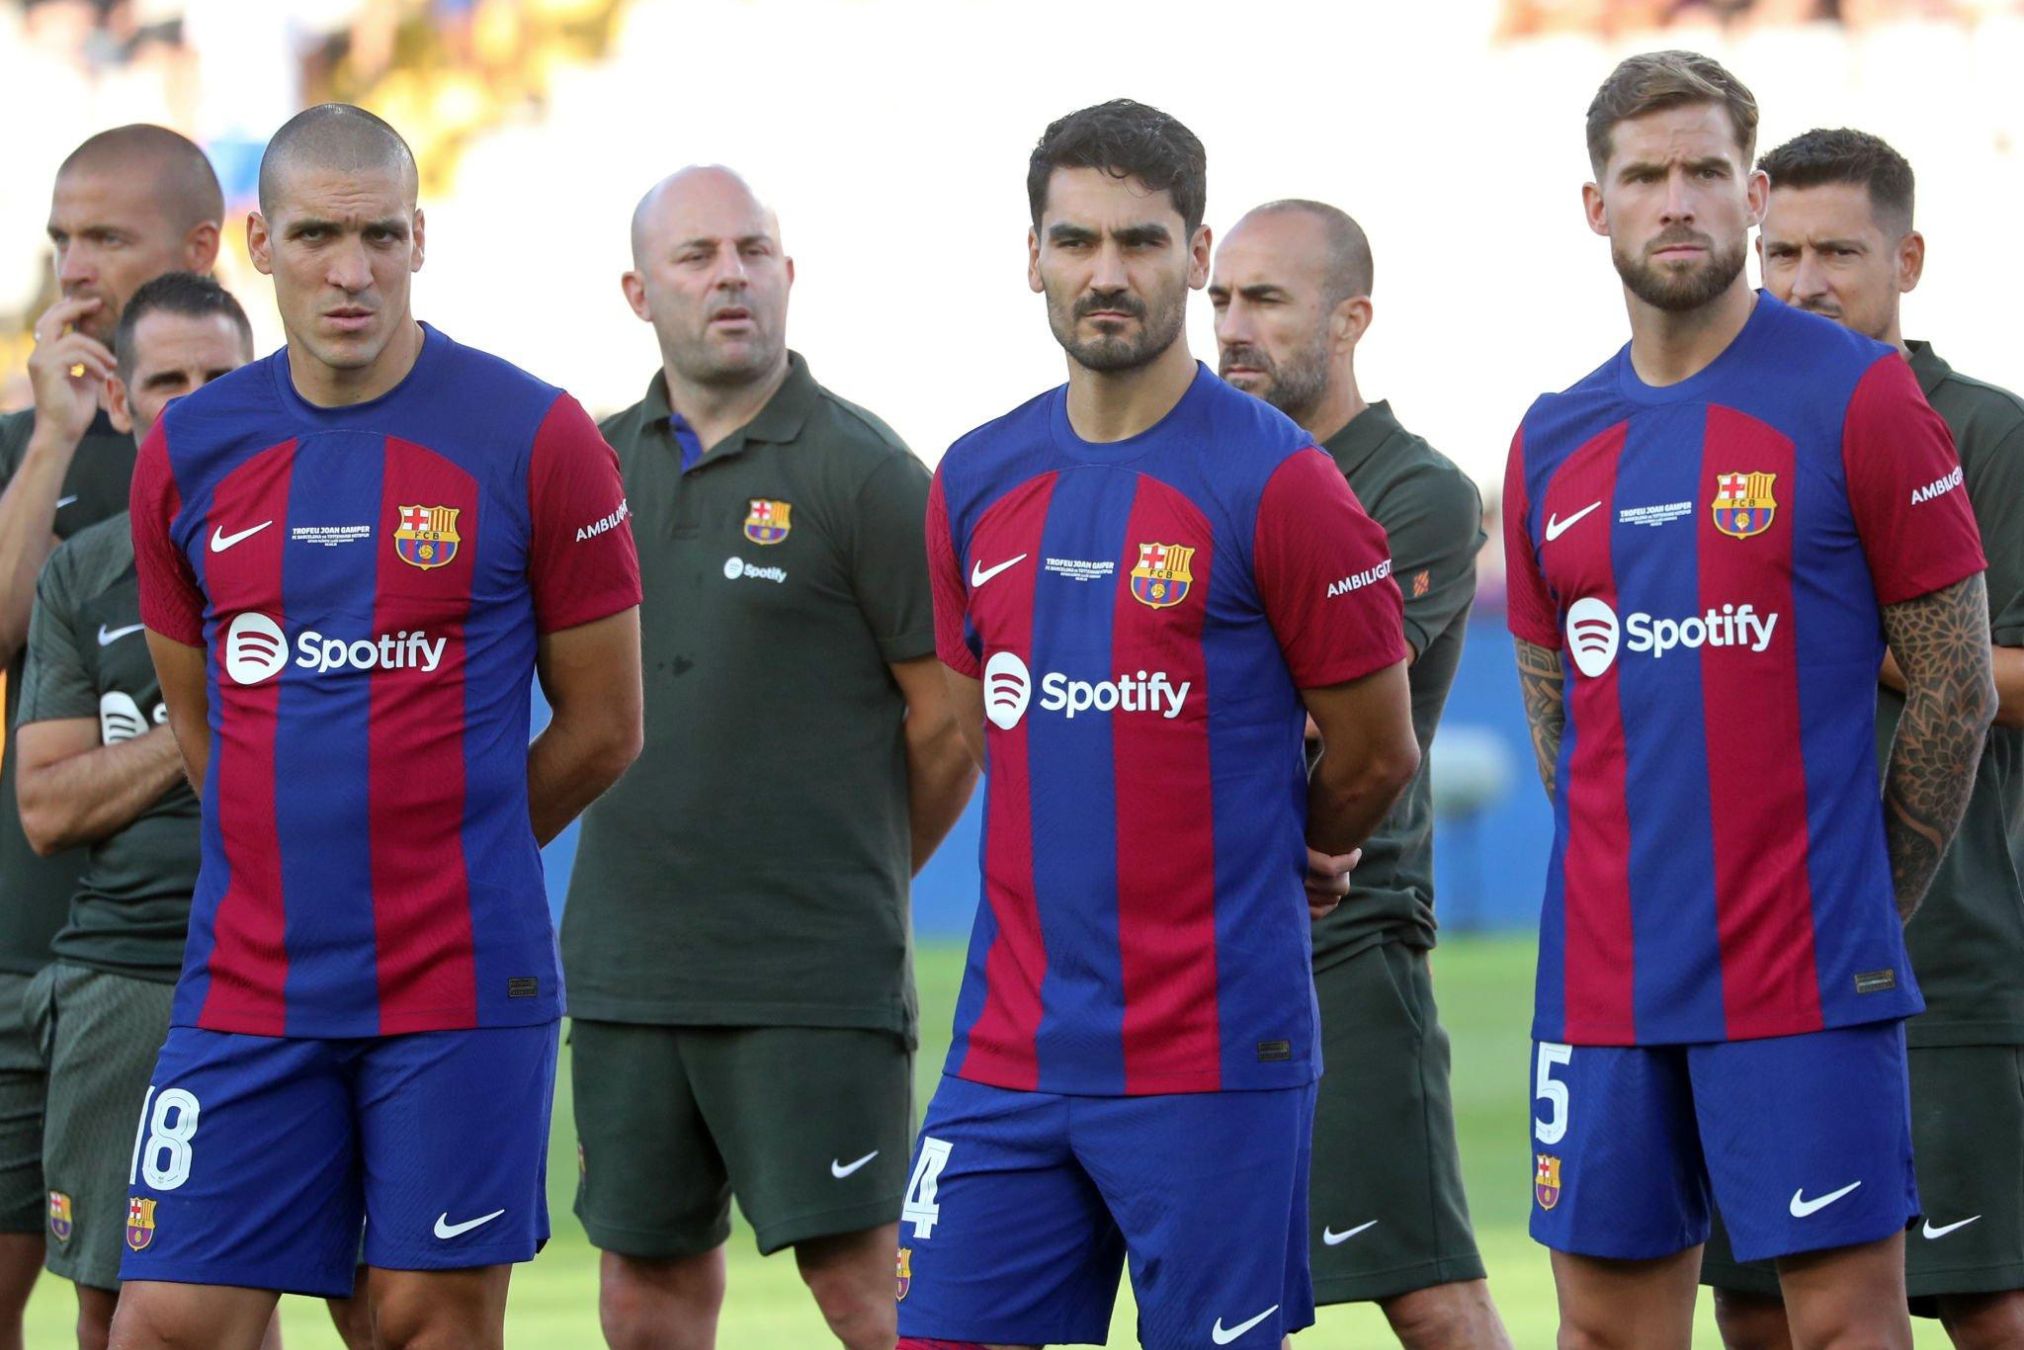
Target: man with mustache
[1839, 241]
[1712, 541]
[1291, 291]
[736, 939]
[128, 205]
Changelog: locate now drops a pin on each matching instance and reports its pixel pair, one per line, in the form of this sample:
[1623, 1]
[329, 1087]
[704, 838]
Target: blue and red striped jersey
[1710, 557]
[369, 583]
[1143, 615]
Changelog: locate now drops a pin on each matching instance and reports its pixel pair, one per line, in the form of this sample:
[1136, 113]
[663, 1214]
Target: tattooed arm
[1545, 712]
[1941, 643]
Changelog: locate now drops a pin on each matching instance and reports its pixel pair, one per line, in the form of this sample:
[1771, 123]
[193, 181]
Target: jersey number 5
[1546, 1089]
[162, 1143]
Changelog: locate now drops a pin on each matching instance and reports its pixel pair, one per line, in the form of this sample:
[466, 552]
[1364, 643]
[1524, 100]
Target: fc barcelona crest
[60, 1224]
[1162, 578]
[1546, 1181]
[426, 536]
[140, 1222]
[768, 521]
[906, 1274]
[1743, 503]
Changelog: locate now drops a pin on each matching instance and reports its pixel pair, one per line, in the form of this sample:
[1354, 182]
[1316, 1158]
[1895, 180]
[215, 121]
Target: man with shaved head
[353, 556]
[1291, 290]
[736, 937]
[128, 205]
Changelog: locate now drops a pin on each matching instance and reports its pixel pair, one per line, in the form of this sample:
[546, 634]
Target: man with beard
[1140, 579]
[736, 938]
[128, 204]
[1291, 290]
[1838, 241]
[1729, 521]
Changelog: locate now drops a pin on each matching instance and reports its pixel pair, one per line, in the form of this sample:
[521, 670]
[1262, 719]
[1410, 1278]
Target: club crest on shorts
[767, 522]
[426, 536]
[60, 1225]
[1744, 505]
[905, 1273]
[1546, 1181]
[140, 1222]
[1162, 578]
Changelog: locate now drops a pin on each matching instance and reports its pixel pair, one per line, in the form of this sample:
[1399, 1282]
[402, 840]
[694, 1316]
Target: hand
[1328, 880]
[65, 402]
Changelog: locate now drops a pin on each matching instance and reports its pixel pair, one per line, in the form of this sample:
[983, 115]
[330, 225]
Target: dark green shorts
[1968, 1148]
[24, 1203]
[1386, 1208]
[810, 1127]
[104, 1032]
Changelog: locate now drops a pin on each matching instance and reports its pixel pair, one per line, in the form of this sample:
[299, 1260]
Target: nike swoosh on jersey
[979, 574]
[1223, 1336]
[841, 1170]
[1335, 1239]
[220, 541]
[108, 636]
[1801, 1206]
[1556, 528]
[447, 1230]
[62, 502]
[1932, 1232]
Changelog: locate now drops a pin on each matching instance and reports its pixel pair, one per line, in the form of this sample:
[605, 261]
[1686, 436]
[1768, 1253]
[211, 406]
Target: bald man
[1291, 290]
[128, 205]
[353, 556]
[736, 937]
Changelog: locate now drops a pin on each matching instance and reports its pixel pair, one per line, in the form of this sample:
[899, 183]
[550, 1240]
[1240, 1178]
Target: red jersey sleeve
[945, 578]
[172, 603]
[1529, 610]
[1323, 569]
[1905, 487]
[581, 560]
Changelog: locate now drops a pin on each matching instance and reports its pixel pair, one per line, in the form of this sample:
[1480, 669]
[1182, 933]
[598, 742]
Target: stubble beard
[1159, 325]
[1679, 291]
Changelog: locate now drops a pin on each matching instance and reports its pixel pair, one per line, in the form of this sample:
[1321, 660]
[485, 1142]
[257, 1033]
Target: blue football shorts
[258, 1157]
[1804, 1141]
[1024, 1207]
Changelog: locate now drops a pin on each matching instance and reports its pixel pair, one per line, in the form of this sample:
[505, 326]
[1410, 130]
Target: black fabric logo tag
[1272, 1051]
[1875, 981]
[523, 986]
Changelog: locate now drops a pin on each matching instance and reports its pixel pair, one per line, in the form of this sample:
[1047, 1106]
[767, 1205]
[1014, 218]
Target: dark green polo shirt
[751, 868]
[1433, 516]
[88, 658]
[34, 891]
[1967, 940]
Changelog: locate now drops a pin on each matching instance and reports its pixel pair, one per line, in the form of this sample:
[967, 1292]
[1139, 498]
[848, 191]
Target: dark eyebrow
[1142, 234]
[162, 377]
[394, 225]
[1061, 233]
[1264, 290]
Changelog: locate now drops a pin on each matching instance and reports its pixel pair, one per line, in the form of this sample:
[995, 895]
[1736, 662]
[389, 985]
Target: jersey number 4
[920, 1208]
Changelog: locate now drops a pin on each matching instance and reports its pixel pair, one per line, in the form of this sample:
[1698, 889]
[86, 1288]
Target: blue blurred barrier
[1490, 842]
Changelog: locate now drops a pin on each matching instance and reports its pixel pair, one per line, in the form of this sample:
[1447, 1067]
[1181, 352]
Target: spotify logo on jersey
[1008, 688]
[1591, 635]
[255, 648]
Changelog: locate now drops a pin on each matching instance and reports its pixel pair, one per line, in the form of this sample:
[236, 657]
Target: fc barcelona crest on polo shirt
[1743, 503]
[426, 536]
[768, 521]
[60, 1225]
[1162, 578]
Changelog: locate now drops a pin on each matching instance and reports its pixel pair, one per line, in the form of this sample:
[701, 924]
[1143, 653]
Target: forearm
[569, 766]
[1345, 804]
[91, 796]
[27, 533]
[940, 778]
[1539, 680]
[2005, 663]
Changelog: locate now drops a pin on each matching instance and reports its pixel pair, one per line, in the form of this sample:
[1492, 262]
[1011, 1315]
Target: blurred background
[892, 136]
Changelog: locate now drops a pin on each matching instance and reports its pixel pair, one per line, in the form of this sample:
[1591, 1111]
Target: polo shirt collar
[778, 423]
[1927, 365]
[1361, 437]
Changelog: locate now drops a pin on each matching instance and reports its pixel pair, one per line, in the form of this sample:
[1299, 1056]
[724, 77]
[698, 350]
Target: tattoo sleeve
[1941, 642]
[1539, 679]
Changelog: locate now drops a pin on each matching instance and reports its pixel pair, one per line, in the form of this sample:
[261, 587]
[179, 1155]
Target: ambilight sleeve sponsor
[1324, 574]
[1918, 535]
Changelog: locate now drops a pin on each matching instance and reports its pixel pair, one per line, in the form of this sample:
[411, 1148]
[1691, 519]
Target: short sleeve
[1433, 521]
[888, 560]
[581, 562]
[945, 582]
[1324, 573]
[1906, 488]
[1529, 608]
[56, 682]
[172, 603]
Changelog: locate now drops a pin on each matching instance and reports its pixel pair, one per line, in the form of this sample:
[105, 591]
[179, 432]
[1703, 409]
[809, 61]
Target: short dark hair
[1654, 81]
[183, 293]
[1125, 139]
[334, 135]
[1842, 155]
[184, 186]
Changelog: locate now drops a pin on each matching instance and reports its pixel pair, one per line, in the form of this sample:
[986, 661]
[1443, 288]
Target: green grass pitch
[1485, 990]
